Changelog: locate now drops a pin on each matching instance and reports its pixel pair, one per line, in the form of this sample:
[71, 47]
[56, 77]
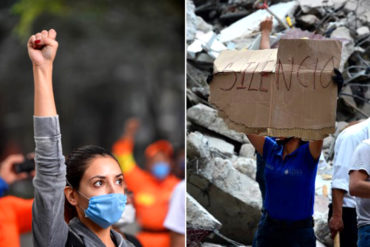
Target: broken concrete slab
[247, 166]
[360, 8]
[219, 147]
[247, 150]
[348, 47]
[207, 117]
[196, 77]
[205, 146]
[233, 198]
[208, 42]
[308, 20]
[197, 146]
[362, 31]
[316, 6]
[191, 20]
[199, 222]
[197, 217]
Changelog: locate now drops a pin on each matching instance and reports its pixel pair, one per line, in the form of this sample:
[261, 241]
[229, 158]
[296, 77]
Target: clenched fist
[42, 48]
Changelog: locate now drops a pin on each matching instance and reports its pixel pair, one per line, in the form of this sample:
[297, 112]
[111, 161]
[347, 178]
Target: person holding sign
[86, 191]
[290, 174]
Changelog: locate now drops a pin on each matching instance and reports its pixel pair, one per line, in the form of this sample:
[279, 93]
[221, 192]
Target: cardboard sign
[285, 92]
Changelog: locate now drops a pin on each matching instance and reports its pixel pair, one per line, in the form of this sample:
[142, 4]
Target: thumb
[22, 175]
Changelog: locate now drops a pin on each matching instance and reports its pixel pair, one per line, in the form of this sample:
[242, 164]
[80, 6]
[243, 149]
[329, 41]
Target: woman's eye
[98, 183]
[119, 181]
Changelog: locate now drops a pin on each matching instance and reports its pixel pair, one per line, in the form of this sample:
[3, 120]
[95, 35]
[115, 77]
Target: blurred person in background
[86, 191]
[175, 219]
[152, 188]
[15, 219]
[15, 212]
[342, 210]
[359, 186]
[8, 174]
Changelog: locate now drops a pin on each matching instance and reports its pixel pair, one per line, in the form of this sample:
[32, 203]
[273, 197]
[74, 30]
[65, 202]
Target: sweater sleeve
[48, 225]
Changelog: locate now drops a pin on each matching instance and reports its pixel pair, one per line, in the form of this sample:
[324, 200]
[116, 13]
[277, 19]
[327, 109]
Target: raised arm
[42, 48]
[258, 142]
[265, 28]
[315, 148]
[48, 225]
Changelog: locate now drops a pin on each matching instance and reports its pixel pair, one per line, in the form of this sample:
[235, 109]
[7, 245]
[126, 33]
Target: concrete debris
[309, 6]
[246, 166]
[197, 146]
[199, 222]
[308, 20]
[197, 217]
[343, 34]
[191, 20]
[221, 189]
[247, 150]
[362, 31]
[208, 118]
[204, 146]
[208, 42]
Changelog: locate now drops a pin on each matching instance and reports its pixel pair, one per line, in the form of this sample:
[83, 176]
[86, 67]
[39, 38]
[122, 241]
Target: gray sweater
[48, 225]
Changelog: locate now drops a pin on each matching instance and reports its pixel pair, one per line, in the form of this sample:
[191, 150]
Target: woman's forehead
[102, 166]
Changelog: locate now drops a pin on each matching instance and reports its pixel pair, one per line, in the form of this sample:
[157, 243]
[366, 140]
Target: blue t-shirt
[290, 183]
[3, 187]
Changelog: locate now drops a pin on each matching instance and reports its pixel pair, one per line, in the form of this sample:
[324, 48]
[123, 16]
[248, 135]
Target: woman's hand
[42, 48]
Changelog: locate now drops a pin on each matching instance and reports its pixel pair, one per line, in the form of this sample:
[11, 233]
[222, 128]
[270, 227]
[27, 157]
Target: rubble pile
[221, 162]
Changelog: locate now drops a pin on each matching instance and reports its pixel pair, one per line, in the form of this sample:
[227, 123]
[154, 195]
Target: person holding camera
[77, 200]
[15, 212]
[8, 174]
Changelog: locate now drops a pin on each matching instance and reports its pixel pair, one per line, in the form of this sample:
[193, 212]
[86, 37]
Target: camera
[28, 165]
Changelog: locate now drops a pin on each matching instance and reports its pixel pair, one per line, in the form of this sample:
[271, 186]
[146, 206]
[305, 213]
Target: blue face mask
[105, 210]
[161, 170]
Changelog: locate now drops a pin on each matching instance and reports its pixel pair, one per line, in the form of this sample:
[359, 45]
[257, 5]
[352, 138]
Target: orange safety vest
[151, 197]
[15, 219]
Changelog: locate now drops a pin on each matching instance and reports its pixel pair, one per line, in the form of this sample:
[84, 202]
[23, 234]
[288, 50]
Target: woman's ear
[70, 195]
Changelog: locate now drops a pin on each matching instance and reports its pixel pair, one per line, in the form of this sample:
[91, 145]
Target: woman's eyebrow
[101, 177]
[119, 175]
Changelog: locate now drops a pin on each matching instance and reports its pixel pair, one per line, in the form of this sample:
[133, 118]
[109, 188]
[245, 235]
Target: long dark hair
[77, 162]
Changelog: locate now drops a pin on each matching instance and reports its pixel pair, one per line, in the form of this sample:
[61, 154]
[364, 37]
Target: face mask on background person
[105, 210]
[128, 216]
[160, 170]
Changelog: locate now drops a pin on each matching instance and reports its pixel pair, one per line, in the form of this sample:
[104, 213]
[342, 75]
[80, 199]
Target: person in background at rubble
[342, 210]
[86, 191]
[359, 186]
[8, 174]
[152, 188]
[175, 219]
